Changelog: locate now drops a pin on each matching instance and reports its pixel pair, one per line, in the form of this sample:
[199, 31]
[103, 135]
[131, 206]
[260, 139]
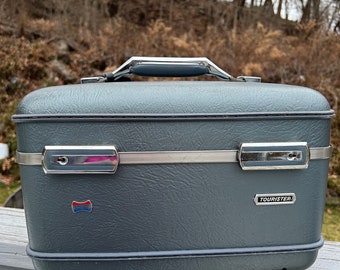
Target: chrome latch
[80, 159]
[274, 156]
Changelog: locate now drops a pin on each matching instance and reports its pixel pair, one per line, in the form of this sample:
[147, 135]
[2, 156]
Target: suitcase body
[174, 175]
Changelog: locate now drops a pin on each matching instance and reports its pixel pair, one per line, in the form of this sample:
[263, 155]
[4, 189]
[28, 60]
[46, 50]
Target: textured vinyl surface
[172, 98]
[167, 207]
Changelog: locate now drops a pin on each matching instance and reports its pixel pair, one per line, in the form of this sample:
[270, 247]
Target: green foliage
[6, 190]
[331, 223]
[333, 193]
[8, 166]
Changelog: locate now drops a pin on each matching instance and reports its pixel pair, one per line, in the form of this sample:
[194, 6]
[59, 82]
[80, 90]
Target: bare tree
[306, 11]
[310, 10]
[279, 8]
[316, 10]
[269, 6]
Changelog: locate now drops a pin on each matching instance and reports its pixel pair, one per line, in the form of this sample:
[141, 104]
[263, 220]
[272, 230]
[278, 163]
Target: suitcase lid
[239, 97]
[173, 99]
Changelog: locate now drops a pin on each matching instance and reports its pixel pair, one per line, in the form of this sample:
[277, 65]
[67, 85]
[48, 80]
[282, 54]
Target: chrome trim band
[320, 152]
[174, 157]
[29, 158]
[150, 157]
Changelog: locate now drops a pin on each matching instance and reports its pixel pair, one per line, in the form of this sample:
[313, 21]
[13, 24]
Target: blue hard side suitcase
[193, 175]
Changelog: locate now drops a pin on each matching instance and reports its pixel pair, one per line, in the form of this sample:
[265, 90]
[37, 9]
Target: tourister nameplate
[275, 199]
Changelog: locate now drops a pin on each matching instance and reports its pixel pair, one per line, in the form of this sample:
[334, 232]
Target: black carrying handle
[166, 67]
[169, 69]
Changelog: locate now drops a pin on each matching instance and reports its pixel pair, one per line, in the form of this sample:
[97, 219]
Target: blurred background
[54, 42]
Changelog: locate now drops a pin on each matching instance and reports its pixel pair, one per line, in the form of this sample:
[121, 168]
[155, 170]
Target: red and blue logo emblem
[81, 206]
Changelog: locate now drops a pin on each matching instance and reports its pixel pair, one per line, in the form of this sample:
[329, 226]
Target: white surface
[13, 241]
[3, 150]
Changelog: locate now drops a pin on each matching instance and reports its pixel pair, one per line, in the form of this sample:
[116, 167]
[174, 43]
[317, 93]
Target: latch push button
[80, 159]
[274, 156]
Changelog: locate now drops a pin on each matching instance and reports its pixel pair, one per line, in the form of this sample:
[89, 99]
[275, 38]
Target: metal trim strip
[29, 158]
[173, 157]
[320, 152]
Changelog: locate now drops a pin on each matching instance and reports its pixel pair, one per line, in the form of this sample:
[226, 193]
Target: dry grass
[331, 223]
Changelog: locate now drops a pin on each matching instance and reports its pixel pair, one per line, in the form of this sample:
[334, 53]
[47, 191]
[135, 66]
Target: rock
[62, 71]
[63, 50]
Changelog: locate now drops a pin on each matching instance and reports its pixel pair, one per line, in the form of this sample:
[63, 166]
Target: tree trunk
[269, 7]
[279, 8]
[316, 10]
[306, 11]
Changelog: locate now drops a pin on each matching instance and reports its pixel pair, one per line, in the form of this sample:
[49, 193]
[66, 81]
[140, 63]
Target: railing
[13, 241]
